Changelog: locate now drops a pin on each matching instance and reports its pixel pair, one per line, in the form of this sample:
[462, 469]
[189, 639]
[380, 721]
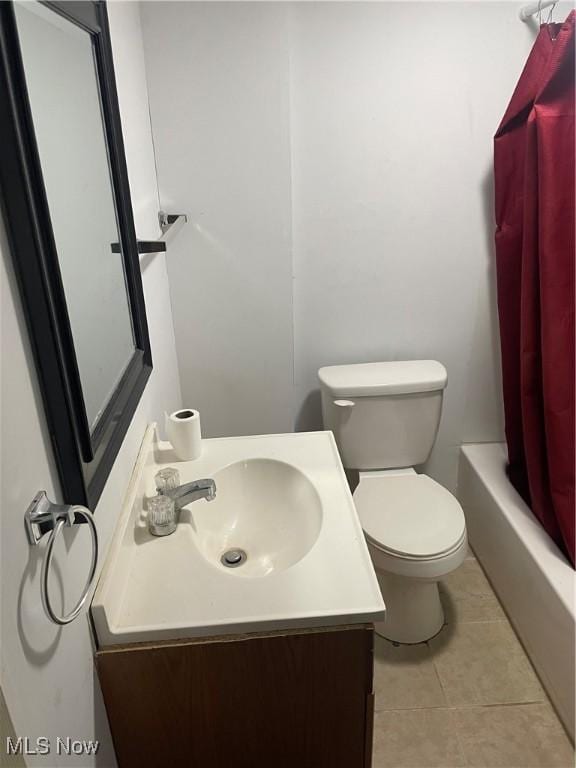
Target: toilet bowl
[416, 534]
[385, 418]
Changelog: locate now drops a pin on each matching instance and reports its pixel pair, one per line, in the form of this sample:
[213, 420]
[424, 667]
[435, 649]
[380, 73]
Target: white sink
[265, 510]
[284, 501]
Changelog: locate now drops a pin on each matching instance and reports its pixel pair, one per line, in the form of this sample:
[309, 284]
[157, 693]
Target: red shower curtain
[535, 253]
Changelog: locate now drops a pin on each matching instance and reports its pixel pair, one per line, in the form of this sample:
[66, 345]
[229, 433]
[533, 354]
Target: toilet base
[414, 612]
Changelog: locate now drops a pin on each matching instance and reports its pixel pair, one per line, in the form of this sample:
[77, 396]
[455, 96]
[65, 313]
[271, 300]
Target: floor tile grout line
[481, 621]
[458, 737]
[436, 672]
[471, 596]
[449, 707]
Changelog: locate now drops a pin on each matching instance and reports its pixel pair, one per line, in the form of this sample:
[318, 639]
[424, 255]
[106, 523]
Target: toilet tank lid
[398, 377]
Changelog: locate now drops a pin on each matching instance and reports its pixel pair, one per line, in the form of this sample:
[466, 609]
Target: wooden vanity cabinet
[291, 699]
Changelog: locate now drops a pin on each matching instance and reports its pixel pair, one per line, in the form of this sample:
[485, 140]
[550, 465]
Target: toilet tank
[383, 415]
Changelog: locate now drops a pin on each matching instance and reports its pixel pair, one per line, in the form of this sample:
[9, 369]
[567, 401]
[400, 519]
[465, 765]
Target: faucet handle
[162, 515]
[167, 479]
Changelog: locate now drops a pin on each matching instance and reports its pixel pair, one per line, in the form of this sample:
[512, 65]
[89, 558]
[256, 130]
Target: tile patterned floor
[469, 698]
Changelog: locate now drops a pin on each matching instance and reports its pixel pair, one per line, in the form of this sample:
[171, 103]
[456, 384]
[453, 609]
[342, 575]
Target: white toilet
[385, 418]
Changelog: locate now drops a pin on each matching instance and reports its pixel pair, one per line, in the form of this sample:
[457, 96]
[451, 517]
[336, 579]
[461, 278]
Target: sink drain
[234, 558]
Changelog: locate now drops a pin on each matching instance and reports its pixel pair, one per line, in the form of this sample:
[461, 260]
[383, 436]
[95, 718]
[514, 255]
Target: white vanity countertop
[162, 588]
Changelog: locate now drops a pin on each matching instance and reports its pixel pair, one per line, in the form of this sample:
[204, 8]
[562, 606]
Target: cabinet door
[294, 700]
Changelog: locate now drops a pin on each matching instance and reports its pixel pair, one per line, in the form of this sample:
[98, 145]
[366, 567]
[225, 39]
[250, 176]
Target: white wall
[392, 126]
[218, 83]
[47, 673]
[394, 106]
[391, 112]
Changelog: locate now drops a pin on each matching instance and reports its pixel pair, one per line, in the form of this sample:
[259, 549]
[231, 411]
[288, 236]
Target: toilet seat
[410, 516]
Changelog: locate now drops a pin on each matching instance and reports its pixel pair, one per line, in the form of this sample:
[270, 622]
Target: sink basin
[284, 516]
[265, 509]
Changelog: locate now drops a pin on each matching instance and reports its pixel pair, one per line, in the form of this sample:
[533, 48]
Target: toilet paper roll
[183, 428]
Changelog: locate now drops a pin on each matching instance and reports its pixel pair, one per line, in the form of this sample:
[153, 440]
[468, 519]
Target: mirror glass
[63, 91]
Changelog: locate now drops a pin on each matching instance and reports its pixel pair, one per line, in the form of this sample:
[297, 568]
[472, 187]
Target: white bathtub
[533, 579]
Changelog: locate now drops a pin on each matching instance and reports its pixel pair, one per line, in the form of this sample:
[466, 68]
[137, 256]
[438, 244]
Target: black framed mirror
[68, 214]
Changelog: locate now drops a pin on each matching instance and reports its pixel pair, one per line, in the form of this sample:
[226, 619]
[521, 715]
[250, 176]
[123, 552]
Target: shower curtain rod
[529, 10]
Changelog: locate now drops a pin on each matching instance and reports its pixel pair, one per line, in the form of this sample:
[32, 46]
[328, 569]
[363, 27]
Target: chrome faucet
[189, 492]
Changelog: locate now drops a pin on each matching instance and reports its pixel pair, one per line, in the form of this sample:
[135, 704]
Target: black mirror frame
[83, 459]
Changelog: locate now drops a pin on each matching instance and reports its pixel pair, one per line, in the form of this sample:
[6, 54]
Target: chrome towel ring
[42, 516]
